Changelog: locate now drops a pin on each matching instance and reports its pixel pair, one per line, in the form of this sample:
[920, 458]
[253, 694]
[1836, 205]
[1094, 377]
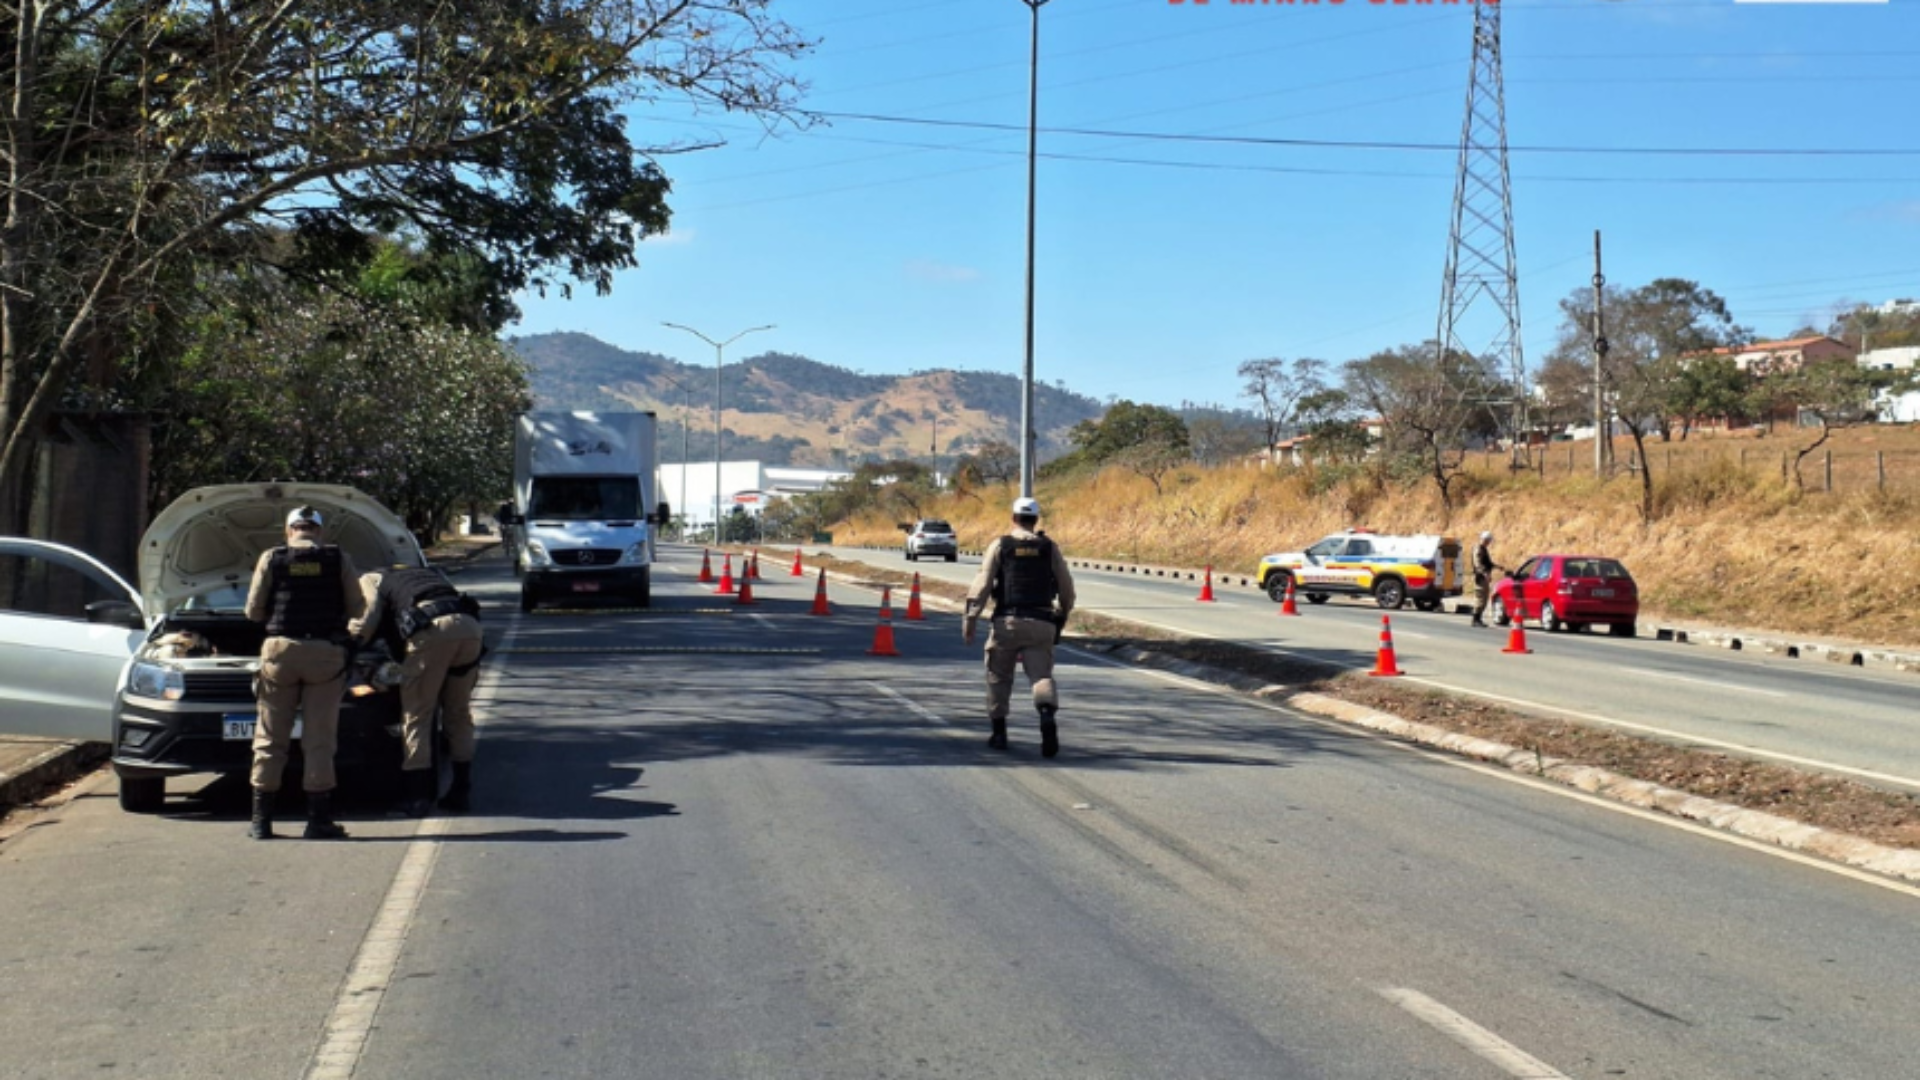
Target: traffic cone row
[1206, 590]
[883, 633]
[706, 567]
[1384, 663]
[913, 600]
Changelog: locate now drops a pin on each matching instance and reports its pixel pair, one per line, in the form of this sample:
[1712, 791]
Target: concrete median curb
[30, 768]
[1756, 825]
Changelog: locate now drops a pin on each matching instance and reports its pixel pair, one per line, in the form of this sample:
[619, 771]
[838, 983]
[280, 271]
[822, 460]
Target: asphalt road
[1864, 723]
[725, 842]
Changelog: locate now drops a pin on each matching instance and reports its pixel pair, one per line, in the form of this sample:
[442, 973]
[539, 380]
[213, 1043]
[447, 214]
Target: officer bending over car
[305, 591]
[436, 629]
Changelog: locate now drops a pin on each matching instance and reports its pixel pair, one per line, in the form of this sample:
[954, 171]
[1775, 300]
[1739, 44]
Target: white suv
[931, 537]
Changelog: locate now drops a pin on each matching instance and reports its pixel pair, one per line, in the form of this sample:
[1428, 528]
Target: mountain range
[790, 410]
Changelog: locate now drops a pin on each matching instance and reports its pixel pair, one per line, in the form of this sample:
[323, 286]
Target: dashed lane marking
[1511, 1059]
[723, 650]
[548, 612]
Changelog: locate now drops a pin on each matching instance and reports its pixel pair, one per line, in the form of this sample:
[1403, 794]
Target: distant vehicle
[585, 489]
[1574, 591]
[164, 673]
[1392, 569]
[931, 537]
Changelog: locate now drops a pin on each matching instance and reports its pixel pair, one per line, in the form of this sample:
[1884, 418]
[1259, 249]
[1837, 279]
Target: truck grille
[586, 556]
[219, 686]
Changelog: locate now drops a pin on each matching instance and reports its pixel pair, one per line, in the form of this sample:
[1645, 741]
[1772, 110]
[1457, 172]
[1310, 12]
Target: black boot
[459, 797]
[320, 823]
[416, 792]
[1049, 732]
[998, 740]
[1477, 621]
[262, 827]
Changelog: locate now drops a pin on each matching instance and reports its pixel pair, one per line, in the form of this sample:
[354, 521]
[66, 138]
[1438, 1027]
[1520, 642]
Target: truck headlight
[156, 681]
[635, 554]
[537, 554]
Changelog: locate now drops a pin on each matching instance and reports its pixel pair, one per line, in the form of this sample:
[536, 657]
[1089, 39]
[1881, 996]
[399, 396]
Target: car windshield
[935, 527]
[585, 498]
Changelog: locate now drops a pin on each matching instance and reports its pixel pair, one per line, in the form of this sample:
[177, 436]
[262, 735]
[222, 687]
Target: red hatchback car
[1574, 591]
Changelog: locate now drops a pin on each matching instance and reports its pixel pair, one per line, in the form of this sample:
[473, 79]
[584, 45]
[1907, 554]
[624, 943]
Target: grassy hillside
[1735, 546]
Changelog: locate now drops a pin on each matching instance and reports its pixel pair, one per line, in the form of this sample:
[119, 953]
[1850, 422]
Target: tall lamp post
[719, 351]
[686, 420]
[1033, 127]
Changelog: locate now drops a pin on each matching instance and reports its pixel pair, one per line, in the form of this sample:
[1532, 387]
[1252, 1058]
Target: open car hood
[201, 550]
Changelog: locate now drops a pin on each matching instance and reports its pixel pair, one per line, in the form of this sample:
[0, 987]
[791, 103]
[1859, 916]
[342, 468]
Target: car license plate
[586, 586]
[235, 726]
[1604, 594]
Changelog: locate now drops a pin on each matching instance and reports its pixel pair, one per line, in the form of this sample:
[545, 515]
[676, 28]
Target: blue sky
[888, 247]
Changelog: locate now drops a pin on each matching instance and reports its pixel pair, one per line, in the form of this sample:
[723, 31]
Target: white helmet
[1024, 507]
[1486, 536]
[305, 515]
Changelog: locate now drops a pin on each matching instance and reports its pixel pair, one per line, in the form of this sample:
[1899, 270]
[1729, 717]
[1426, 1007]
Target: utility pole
[1602, 437]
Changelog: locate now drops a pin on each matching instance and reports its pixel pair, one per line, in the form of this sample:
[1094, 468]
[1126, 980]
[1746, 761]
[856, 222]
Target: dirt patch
[1828, 802]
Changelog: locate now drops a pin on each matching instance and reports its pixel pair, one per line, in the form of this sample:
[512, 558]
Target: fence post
[1783, 466]
[1743, 459]
[1569, 459]
[1880, 468]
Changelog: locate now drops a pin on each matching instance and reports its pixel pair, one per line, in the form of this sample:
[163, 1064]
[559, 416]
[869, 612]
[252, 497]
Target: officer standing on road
[1483, 568]
[305, 592]
[437, 630]
[1024, 574]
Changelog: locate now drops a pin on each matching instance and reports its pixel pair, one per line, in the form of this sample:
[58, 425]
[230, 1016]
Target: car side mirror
[662, 515]
[116, 613]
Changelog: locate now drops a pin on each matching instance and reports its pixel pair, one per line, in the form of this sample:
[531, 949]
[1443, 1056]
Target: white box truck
[586, 491]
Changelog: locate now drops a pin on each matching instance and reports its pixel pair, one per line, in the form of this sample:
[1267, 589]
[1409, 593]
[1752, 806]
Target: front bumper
[154, 741]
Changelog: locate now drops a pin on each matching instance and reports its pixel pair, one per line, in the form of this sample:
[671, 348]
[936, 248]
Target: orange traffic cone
[797, 572]
[1384, 663]
[726, 578]
[820, 595]
[745, 595]
[913, 600]
[1517, 638]
[753, 564]
[706, 568]
[1287, 606]
[883, 633]
[1206, 590]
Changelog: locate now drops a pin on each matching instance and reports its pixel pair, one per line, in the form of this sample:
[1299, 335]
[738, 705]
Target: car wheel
[1390, 593]
[910, 555]
[1549, 618]
[143, 794]
[1621, 629]
[1277, 586]
[953, 558]
[1500, 616]
[1427, 605]
[1318, 597]
[528, 600]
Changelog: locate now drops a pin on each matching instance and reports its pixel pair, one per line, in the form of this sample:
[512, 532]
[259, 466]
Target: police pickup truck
[1391, 569]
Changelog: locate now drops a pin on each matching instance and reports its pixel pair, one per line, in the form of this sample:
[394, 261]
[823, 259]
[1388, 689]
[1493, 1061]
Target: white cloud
[678, 236]
[928, 270]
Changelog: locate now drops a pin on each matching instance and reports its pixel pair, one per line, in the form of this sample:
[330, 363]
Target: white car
[165, 674]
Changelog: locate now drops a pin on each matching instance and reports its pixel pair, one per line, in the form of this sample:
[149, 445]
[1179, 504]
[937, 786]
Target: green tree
[1428, 403]
[1278, 386]
[1127, 425]
[141, 136]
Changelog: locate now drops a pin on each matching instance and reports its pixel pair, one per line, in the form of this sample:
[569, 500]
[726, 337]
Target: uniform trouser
[1031, 640]
[1482, 590]
[307, 676]
[452, 641]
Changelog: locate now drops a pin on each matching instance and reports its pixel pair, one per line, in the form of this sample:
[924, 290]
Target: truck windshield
[585, 498]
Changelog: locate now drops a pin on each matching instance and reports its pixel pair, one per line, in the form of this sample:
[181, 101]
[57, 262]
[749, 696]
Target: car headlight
[537, 554]
[635, 554]
[156, 681]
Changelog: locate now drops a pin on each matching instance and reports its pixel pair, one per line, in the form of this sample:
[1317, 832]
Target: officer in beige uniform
[305, 592]
[1026, 577]
[437, 630]
[1483, 568]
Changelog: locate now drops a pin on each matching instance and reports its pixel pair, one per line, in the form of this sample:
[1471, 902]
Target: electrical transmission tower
[1480, 294]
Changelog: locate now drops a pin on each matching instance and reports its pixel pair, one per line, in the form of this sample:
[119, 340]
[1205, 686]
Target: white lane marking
[764, 621]
[1511, 1059]
[913, 706]
[344, 1040]
[1679, 736]
[1717, 685]
[1538, 784]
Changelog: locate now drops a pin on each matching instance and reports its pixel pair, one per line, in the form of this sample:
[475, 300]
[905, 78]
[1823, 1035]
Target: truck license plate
[235, 726]
[586, 586]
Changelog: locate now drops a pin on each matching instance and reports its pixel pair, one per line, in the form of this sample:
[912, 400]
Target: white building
[1902, 359]
[749, 485]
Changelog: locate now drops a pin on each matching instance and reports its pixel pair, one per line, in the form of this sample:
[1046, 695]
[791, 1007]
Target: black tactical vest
[1024, 581]
[307, 598]
[406, 592]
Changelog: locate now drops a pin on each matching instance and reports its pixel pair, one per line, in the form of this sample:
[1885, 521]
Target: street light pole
[1027, 437]
[686, 421]
[719, 351]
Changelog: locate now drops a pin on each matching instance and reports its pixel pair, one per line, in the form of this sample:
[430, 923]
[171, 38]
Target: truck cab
[585, 514]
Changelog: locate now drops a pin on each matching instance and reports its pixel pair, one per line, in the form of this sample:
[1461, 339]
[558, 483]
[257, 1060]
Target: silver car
[932, 537]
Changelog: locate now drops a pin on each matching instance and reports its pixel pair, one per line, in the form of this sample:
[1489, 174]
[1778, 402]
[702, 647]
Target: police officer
[305, 592]
[437, 630]
[1026, 577]
[1483, 568]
